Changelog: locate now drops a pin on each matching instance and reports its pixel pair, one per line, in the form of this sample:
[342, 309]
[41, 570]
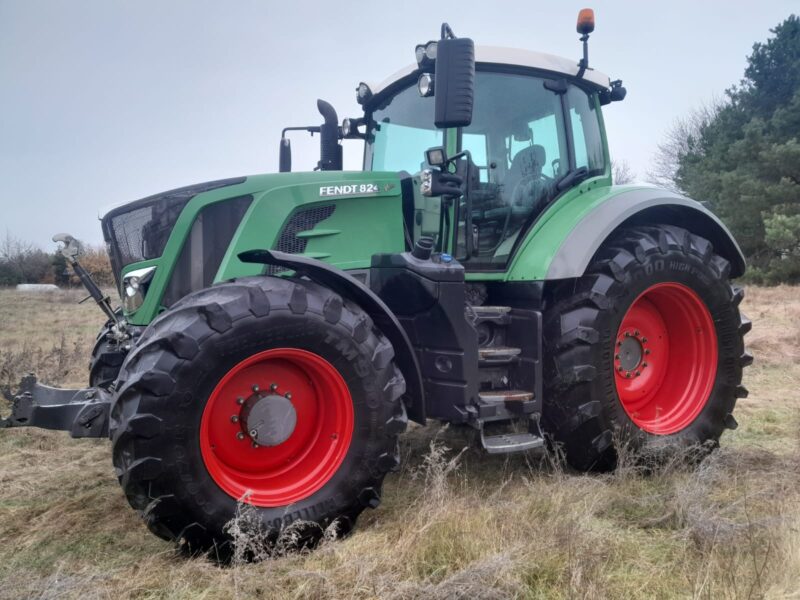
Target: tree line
[23, 262]
[741, 153]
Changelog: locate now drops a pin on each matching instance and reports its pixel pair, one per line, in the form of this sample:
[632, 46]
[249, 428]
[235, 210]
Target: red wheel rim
[288, 471]
[665, 358]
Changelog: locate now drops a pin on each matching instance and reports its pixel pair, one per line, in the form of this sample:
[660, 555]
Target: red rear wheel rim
[665, 358]
[289, 471]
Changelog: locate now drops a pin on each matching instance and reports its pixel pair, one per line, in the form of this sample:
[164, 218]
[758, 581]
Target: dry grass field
[453, 524]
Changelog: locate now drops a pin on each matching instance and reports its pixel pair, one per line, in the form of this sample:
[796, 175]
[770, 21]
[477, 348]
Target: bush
[22, 262]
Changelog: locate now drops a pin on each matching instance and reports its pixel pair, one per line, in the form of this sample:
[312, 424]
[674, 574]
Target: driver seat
[528, 161]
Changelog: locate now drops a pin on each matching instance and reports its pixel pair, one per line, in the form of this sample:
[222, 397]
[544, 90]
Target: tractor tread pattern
[174, 338]
[573, 325]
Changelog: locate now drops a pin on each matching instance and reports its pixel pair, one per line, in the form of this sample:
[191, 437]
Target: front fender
[349, 287]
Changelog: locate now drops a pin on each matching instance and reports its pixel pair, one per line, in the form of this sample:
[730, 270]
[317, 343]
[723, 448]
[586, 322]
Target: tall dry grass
[454, 523]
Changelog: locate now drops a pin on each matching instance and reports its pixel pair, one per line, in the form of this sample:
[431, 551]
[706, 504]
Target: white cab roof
[514, 57]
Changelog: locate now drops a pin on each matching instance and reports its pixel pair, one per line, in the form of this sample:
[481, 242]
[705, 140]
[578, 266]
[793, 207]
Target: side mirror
[285, 156]
[455, 82]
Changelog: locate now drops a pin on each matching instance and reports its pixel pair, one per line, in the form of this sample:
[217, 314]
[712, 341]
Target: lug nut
[619, 369]
[644, 364]
[255, 387]
[255, 445]
[636, 333]
[240, 400]
[638, 373]
[616, 356]
[627, 334]
[273, 387]
[240, 436]
[628, 374]
[288, 395]
[253, 433]
[234, 418]
[646, 351]
[644, 340]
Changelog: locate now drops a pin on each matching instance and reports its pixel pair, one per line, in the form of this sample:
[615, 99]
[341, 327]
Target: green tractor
[277, 332]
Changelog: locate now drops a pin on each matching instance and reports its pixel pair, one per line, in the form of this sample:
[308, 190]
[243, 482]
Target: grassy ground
[453, 524]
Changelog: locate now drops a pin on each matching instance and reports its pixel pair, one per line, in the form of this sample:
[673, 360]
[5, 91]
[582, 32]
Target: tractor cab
[506, 132]
[536, 130]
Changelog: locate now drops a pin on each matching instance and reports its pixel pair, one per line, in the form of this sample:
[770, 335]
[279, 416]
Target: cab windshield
[400, 132]
[528, 133]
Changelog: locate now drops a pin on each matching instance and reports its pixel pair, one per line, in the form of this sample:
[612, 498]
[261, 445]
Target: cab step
[500, 315]
[497, 355]
[503, 405]
[506, 443]
[505, 396]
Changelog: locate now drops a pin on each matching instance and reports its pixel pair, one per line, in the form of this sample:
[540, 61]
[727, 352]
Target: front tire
[646, 349]
[107, 358]
[287, 359]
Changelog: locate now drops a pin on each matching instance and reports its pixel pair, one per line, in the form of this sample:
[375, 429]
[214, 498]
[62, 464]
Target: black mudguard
[349, 287]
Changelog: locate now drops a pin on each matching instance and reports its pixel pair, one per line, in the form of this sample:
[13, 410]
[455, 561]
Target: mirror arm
[310, 129]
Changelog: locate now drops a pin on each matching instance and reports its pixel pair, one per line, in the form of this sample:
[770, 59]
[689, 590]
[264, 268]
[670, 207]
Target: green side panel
[360, 226]
[368, 219]
[536, 252]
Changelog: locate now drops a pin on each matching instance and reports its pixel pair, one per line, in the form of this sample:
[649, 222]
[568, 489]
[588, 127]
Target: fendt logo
[352, 189]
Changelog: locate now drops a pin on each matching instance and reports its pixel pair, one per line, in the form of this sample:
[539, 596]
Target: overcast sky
[106, 101]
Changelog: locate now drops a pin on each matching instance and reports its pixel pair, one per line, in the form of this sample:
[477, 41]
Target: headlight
[426, 179]
[363, 93]
[134, 287]
[426, 55]
[425, 85]
[347, 127]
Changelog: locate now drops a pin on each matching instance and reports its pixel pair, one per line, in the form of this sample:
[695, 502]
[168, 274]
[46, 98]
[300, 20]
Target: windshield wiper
[571, 178]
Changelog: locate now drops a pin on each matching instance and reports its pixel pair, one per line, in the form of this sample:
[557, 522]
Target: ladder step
[511, 442]
[498, 354]
[499, 315]
[505, 396]
[491, 310]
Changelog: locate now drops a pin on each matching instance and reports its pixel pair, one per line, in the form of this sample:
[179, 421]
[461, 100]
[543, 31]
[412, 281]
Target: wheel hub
[630, 353]
[268, 419]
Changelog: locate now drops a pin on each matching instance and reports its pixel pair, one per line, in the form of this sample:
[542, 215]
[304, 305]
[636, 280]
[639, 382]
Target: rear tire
[599, 393]
[183, 462]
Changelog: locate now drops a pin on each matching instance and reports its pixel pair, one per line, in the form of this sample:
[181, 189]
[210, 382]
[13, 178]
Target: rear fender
[349, 287]
[639, 207]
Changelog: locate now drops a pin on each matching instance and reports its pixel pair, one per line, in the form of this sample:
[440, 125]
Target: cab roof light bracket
[585, 27]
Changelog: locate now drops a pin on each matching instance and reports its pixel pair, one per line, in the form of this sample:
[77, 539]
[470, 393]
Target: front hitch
[84, 413]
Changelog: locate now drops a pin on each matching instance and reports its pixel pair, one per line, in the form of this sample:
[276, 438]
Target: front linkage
[84, 413]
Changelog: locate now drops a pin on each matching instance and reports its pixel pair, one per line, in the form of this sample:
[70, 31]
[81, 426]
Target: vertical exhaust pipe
[330, 150]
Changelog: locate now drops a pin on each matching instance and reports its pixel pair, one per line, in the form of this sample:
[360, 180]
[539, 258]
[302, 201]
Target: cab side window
[518, 145]
[585, 131]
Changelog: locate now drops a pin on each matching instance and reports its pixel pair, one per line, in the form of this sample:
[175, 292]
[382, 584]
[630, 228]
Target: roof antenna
[585, 27]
